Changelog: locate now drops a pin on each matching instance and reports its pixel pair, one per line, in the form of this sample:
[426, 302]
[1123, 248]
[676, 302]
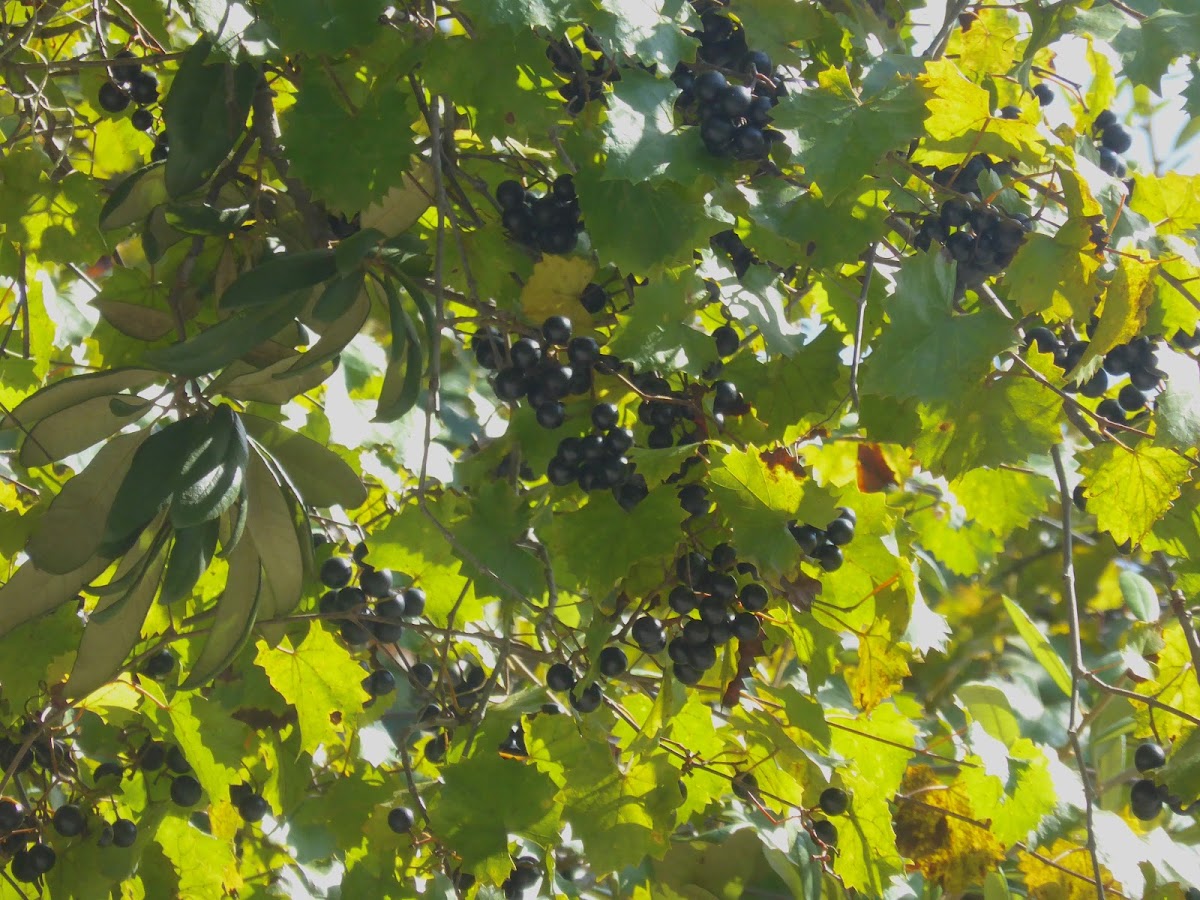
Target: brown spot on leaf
[874, 473]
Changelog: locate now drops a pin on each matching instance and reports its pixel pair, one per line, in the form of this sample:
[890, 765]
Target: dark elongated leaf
[406, 362]
[69, 533]
[333, 339]
[190, 557]
[75, 390]
[205, 491]
[153, 476]
[233, 617]
[203, 219]
[205, 114]
[322, 477]
[30, 592]
[226, 341]
[278, 276]
[115, 627]
[270, 527]
[135, 197]
[79, 427]
[338, 295]
[354, 249]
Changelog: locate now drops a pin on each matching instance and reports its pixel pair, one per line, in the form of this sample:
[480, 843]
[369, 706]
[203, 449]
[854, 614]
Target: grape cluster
[982, 239]
[1135, 359]
[1147, 796]
[824, 546]
[1115, 140]
[542, 374]
[549, 223]
[585, 82]
[131, 83]
[372, 610]
[734, 115]
[24, 831]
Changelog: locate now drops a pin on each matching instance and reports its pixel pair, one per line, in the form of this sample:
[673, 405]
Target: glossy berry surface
[1149, 756]
[401, 820]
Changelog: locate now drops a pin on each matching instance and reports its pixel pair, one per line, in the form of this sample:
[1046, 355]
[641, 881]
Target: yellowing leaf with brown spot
[951, 853]
[1046, 882]
[554, 289]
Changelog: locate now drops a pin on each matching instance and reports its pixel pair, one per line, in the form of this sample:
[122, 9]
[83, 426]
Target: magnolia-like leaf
[233, 616]
[1039, 645]
[323, 478]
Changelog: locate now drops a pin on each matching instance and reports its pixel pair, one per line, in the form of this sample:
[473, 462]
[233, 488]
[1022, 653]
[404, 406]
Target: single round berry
[559, 677]
[176, 761]
[23, 868]
[1149, 756]
[834, 801]
[1045, 96]
[754, 597]
[563, 188]
[436, 746]
[124, 833]
[510, 194]
[1116, 137]
[588, 700]
[69, 820]
[421, 675]
[1110, 409]
[807, 537]
[376, 583]
[401, 820]
[826, 832]
[696, 632]
[185, 791]
[1144, 800]
[694, 499]
[723, 587]
[143, 88]
[726, 340]
[594, 298]
[648, 633]
[713, 610]
[556, 331]
[682, 599]
[613, 662]
[1104, 119]
[551, 414]
[142, 119]
[745, 626]
[605, 416]
[336, 572]
[43, 857]
[160, 665]
[829, 557]
[1010, 112]
[735, 101]
[686, 674]
[744, 784]
[414, 602]
[583, 351]
[708, 86]
[1131, 399]
[153, 756]
[379, 682]
[112, 98]
[723, 556]
[839, 532]
[525, 354]
[253, 807]
[128, 67]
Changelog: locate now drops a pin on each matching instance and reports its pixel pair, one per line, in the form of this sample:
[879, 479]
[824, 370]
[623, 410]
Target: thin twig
[859, 321]
[1179, 607]
[1078, 670]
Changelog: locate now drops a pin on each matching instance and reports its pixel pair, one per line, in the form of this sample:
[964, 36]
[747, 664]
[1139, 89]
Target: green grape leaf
[1177, 408]
[639, 131]
[1055, 277]
[631, 27]
[839, 132]
[669, 223]
[1129, 489]
[320, 679]
[204, 864]
[960, 118]
[323, 27]
[931, 353]
[370, 153]
[553, 15]
[487, 797]
[1149, 46]
[1001, 500]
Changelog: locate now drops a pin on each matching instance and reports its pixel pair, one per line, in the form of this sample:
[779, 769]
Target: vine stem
[859, 322]
[1078, 670]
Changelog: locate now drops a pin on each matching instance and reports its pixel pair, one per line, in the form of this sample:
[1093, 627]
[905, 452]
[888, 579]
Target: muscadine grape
[376, 583]
[840, 532]
[604, 416]
[613, 661]
[691, 567]
[557, 331]
[702, 656]
[23, 868]
[679, 650]
[42, 857]
[525, 354]
[1144, 800]
[559, 677]
[754, 597]
[588, 700]
[647, 633]
[826, 832]
[421, 675]
[401, 820]
[509, 384]
[112, 98]
[143, 88]
[686, 674]
[829, 556]
[696, 632]
[160, 665]
[69, 820]
[1143, 379]
[1116, 137]
[682, 599]
[379, 682]
[551, 414]
[723, 556]
[708, 86]
[510, 194]
[735, 101]
[124, 833]
[336, 572]
[1148, 756]
[694, 499]
[834, 801]
[1106, 118]
[617, 441]
[253, 807]
[414, 602]
[594, 298]
[1045, 96]
[560, 473]
[713, 610]
[726, 340]
[723, 587]
[745, 626]
[749, 142]
[142, 119]
[807, 537]
[563, 188]
[744, 784]
[185, 791]
[1110, 409]
[583, 351]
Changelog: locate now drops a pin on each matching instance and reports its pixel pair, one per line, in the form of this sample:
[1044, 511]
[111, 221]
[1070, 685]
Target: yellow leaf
[1123, 315]
[1047, 882]
[1128, 490]
[1171, 202]
[960, 118]
[989, 45]
[1174, 684]
[882, 666]
[554, 289]
[951, 853]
